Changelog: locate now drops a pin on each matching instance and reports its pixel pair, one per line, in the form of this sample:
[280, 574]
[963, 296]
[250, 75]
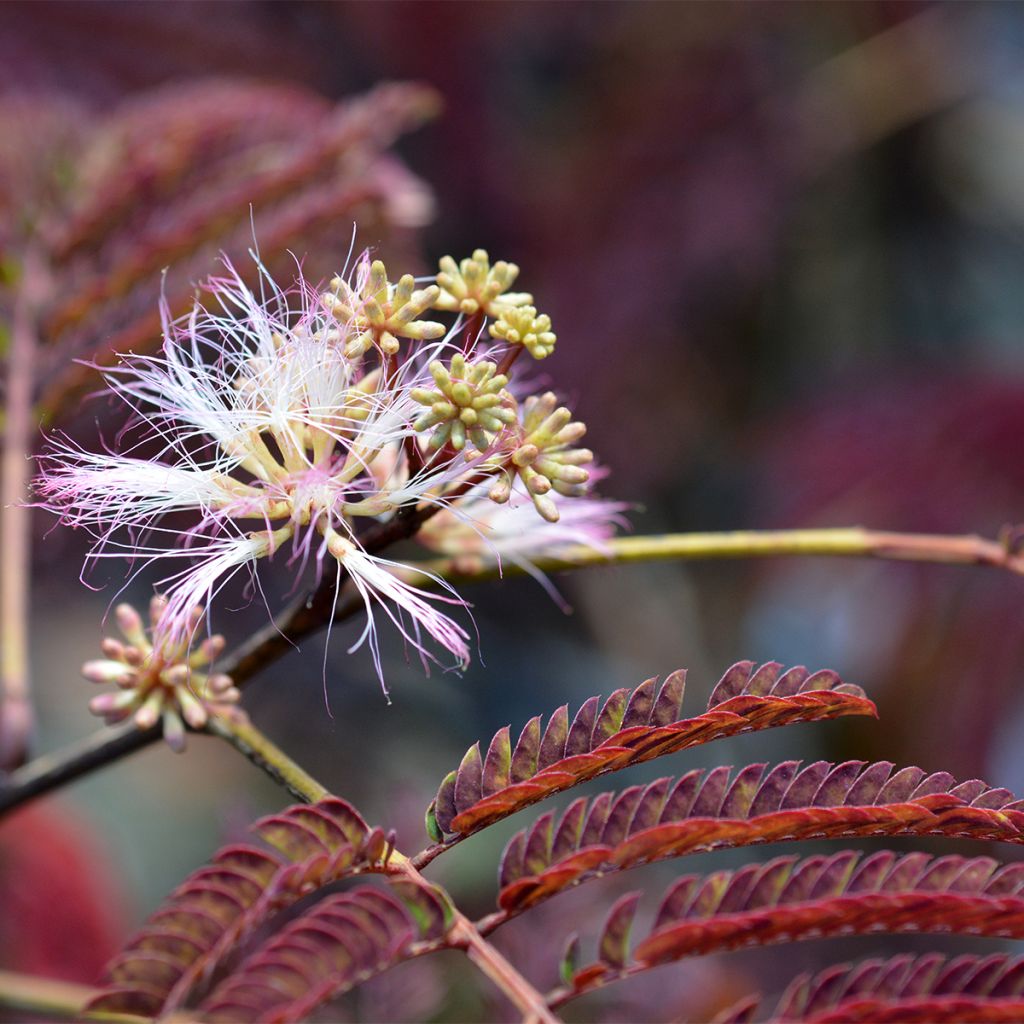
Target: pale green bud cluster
[381, 313]
[470, 401]
[163, 682]
[473, 285]
[545, 458]
[522, 326]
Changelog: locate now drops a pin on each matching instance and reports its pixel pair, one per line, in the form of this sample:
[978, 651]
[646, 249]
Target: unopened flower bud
[522, 325]
[470, 402]
[159, 679]
[473, 286]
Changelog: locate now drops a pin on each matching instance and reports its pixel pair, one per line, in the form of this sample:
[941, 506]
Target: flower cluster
[304, 422]
[470, 400]
[158, 679]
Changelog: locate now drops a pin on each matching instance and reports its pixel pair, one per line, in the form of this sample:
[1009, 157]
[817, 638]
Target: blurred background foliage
[783, 248]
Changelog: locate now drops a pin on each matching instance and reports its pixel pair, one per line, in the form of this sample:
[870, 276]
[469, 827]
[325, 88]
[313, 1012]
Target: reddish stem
[471, 332]
[512, 353]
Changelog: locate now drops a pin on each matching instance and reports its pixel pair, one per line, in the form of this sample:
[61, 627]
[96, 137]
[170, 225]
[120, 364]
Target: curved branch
[313, 611]
[50, 998]
[845, 542]
[303, 616]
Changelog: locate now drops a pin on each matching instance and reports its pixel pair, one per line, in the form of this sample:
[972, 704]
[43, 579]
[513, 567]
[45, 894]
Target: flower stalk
[252, 744]
[843, 542]
[311, 612]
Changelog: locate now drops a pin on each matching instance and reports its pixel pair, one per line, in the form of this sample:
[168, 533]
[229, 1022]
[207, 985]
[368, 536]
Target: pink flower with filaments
[274, 437]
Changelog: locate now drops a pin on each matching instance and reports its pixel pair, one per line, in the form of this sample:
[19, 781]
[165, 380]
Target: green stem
[267, 756]
[852, 541]
[48, 998]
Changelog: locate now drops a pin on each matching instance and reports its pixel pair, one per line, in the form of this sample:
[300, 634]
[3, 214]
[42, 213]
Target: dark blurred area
[782, 245]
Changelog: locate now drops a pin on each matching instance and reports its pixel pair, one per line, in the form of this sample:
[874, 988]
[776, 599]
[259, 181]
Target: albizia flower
[282, 419]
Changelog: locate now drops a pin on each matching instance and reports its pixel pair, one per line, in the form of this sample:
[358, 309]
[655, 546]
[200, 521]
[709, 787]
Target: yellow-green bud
[470, 402]
[377, 311]
[473, 285]
[544, 459]
[523, 326]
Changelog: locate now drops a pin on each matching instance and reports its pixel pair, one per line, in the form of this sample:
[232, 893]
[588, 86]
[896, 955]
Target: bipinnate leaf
[788, 899]
[341, 942]
[629, 728]
[217, 907]
[705, 810]
[931, 987]
[171, 178]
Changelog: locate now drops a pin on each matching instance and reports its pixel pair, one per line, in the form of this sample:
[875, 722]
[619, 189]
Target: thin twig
[304, 616]
[49, 998]
[17, 718]
[464, 935]
[51, 771]
[267, 756]
[313, 611]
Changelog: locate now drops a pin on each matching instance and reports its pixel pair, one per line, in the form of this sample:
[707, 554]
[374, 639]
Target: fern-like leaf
[218, 906]
[176, 195]
[705, 810]
[789, 899]
[931, 987]
[340, 943]
[631, 727]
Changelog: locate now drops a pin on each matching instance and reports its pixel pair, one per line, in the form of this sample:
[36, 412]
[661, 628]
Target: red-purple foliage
[630, 728]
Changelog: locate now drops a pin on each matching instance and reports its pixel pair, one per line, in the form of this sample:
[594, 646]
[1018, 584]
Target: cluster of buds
[286, 417]
[160, 680]
[473, 286]
[544, 458]
[524, 326]
[470, 400]
[372, 311]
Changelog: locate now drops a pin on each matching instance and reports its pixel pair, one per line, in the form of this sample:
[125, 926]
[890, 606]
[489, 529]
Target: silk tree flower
[281, 420]
[267, 431]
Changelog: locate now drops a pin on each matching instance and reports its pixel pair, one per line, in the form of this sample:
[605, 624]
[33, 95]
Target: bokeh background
[782, 245]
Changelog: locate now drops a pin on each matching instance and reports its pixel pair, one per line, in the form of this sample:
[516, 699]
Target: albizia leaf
[225, 151]
[908, 988]
[704, 810]
[219, 906]
[341, 942]
[631, 727]
[788, 899]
